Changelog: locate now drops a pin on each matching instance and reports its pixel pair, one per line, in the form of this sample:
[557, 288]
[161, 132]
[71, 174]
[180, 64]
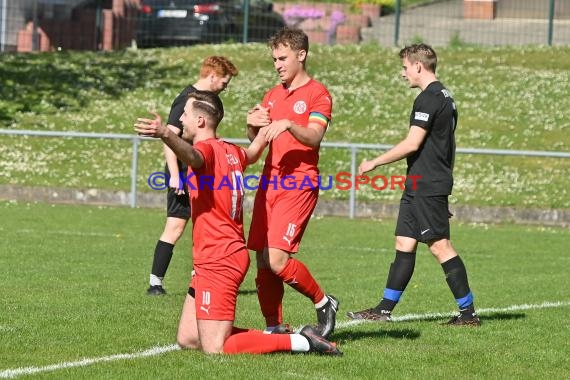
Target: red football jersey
[311, 102]
[216, 198]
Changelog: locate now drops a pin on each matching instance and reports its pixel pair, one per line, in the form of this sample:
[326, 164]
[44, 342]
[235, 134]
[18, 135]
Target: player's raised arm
[183, 149]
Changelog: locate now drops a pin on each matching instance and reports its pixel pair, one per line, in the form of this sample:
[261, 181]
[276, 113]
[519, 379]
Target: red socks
[270, 292]
[296, 275]
[270, 289]
[256, 342]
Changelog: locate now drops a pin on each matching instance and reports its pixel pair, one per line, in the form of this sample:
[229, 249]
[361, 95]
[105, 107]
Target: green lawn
[75, 280]
[508, 98]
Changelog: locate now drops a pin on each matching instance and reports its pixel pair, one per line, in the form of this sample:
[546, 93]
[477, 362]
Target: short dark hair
[420, 53]
[209, 103]
[295, 38]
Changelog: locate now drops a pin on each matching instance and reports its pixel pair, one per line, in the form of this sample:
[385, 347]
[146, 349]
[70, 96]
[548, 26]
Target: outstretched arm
[403, 149]
[183, 149]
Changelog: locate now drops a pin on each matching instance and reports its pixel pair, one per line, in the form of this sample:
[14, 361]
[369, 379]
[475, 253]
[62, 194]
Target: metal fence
[478, 22]
[48, 25]
[353, 148]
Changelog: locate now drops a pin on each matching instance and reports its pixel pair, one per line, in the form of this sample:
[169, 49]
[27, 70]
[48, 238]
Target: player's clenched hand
[150, 127]
[366, 166]
[174, 184]
[276, 128]
[258, 116]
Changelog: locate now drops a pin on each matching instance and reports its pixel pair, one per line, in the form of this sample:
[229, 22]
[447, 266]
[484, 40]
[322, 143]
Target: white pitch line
[428, 316]
[158, 350]
[71, 233]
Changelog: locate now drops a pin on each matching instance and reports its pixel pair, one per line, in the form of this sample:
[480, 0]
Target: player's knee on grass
[213, 335]
[187, 341]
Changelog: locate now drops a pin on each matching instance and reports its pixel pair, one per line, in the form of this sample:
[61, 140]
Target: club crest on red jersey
[300, 107]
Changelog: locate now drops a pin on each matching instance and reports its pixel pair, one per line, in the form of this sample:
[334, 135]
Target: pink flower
[296, 14]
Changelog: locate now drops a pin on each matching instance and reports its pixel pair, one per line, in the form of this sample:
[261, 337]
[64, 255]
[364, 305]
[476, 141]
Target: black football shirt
[176, 110]
[434, 110]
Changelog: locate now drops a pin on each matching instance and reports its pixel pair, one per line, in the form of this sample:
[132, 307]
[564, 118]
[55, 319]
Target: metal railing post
[98, 29]
[352, 198]
[245, 21]
[397, 24]
[550, 21]
[35, 27]
[3, 21]
[134, 172]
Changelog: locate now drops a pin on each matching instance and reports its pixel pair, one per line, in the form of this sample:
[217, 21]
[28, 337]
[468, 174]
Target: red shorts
[280, 218]
[216, 286]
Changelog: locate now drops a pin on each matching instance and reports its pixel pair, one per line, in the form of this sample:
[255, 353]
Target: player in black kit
[424, 215]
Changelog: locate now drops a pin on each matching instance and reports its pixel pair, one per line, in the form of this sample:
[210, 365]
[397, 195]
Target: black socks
[162, 256]
[401, 271]
[456, 277]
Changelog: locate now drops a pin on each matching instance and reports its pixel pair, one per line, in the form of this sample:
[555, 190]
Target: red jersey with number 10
[216, 199]
[311, 102]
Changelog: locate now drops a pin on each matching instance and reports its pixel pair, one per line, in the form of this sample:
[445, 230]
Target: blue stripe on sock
[392, 295]
[465, 301]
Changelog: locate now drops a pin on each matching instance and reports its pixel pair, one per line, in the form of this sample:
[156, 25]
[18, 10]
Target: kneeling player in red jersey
[220, 258]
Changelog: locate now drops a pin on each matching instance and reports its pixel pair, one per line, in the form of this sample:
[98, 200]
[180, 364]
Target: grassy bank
[508, 98]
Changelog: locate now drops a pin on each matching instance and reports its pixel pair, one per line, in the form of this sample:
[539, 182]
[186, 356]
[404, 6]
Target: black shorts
[177, 206]
[423, 218]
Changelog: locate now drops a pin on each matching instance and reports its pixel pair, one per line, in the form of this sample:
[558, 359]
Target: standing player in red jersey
[220, 257]
[296, 114]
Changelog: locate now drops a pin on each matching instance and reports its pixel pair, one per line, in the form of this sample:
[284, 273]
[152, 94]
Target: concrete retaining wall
[546, 217]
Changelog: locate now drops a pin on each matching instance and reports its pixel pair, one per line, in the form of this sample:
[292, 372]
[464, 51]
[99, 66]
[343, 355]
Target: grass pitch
[75, 280]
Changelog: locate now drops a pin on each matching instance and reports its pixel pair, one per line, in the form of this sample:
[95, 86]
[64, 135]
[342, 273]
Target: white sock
[322, 302]
[299, 343]
[154, 280]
